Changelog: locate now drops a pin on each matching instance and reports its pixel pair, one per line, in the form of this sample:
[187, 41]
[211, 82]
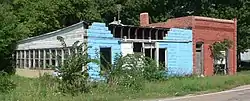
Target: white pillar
[39, 59]
[69, 51]
[29, 59]
[25, 59]
[157, 53]
[50, 57]
[56, 57]
[62, 56]
[34, 59]
[21, 59]
[166, 58]
[44, 59]
[143, 49]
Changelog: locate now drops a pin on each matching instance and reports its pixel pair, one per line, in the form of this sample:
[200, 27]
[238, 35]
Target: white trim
[51, 33]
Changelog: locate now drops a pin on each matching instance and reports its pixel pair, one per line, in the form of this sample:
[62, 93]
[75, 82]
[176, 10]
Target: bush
[6, 84]
[132, 71]
[74, 79]
[124, 73]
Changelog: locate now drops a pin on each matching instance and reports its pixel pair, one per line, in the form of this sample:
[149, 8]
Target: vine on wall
[218, 55]
[217, 47]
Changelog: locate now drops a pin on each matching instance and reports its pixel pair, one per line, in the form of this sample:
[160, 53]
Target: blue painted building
[179, 51]
[99, 37]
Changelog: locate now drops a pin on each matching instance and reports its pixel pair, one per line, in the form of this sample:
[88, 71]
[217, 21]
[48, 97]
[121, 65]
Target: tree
[10, 31]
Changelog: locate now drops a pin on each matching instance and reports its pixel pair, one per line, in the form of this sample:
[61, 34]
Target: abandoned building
[205, 31]
[181, 44]
[170, 46]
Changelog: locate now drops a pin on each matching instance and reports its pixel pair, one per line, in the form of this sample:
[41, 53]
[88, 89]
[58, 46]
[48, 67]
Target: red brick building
[206, 31]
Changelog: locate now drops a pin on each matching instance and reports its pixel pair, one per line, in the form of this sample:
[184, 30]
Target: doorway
[199, 59]
[105, 57]
[162, 57]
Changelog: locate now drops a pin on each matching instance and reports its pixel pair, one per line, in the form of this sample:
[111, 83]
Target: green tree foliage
[10, 31]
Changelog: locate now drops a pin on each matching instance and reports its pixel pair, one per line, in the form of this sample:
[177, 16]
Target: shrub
[126, 72]
[152, 71]
[132, 70]
[6, 84]
[74, 79]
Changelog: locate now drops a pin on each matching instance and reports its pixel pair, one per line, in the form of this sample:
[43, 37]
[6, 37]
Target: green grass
[29, 89]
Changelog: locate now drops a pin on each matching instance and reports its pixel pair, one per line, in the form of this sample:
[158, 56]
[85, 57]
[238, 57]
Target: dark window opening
[117, 33]
[153, 34]
[146, 33]
[150, 53]
[159, 35]
[125, 32]
[53, 62]
[137, 47]
[36, 64]
[41, 63]
[132, 33]
[139, 33]
[162, 57]
[198, 46]
[47, 64]
[105, 57]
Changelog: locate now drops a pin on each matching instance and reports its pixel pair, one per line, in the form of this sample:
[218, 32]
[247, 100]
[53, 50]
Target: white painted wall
[127, 48]
[245, 56]
[70, 35]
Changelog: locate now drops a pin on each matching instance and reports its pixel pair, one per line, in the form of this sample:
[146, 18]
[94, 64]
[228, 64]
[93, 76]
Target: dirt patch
[32, 73]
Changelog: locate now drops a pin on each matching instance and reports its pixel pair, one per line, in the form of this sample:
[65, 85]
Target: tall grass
[45, 89]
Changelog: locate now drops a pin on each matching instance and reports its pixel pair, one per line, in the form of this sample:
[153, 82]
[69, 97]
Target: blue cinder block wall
[99, 37]
[179, 54]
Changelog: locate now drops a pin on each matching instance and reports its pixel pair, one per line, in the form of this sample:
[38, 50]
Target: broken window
[150, 53]
[137, 47]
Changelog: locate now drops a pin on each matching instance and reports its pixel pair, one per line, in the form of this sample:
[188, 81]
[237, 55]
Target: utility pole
[119, 7]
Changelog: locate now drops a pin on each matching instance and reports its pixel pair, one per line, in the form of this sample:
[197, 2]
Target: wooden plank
[156, 35]
[121, 32]
[136, 32]
[129, 32]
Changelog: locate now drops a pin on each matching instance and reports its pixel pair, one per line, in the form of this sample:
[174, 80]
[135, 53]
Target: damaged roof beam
[129, 32]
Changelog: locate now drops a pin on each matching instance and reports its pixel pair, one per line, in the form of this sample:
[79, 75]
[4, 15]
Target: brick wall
[207, 30]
